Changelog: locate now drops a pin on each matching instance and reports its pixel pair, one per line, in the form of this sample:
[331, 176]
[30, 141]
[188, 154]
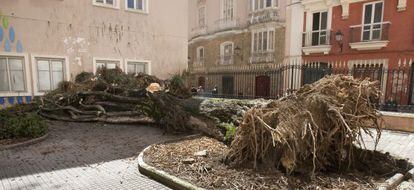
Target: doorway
[262, 87]
[228, 85]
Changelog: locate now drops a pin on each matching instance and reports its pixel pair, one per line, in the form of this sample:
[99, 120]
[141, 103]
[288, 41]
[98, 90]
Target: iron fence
[396, 84]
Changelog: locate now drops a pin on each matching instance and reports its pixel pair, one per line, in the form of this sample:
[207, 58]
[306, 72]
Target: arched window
[200, 55]
[226, 53]
[201, 15]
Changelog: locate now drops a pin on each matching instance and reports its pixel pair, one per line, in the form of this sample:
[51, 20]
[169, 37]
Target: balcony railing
[199, 62]
[198, 31]
[262, 16]
[262, 57]
[226, 59]
[227, 24]
[316, 38]
[369, 32]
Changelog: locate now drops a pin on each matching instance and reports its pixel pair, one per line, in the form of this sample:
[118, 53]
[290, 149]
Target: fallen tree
[314, 129]
[112, 96]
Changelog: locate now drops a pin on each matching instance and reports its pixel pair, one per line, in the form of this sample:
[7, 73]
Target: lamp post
[237, 51]
[339, 38]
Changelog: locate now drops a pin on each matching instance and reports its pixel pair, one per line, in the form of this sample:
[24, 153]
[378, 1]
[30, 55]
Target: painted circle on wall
[1, 34]
[12, 35]
[19, 47]
[7, 46]
[5, 22]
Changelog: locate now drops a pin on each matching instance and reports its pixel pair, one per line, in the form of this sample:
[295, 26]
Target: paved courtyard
[399, 144]
[81, 156]
[97, 156]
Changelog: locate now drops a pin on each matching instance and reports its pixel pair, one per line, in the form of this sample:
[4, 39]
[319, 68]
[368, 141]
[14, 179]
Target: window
[202, 16]
[106, 3]
[372, 21]
[263, 40]
[137, 67]
[320, 35]
[226, 53]
[106, 64]
[258, 5]
[227, 10]
[50, 73]
[12, 75]
[200, 55]
[137, 5]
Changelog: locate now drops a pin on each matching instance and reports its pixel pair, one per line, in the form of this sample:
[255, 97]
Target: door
[202, 82]
[228, 85]
[262, 87]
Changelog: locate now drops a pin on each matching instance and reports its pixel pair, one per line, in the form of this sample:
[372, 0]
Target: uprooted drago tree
[115, 97]
[314, 129]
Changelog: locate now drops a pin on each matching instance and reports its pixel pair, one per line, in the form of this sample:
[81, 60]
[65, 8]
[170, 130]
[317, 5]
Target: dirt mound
[314, 129]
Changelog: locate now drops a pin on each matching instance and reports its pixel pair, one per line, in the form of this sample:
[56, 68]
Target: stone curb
[26, 143]
[396, 180]
[162, 176]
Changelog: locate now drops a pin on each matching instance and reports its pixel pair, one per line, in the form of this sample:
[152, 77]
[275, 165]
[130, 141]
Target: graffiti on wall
[8, 38]
[10, 43]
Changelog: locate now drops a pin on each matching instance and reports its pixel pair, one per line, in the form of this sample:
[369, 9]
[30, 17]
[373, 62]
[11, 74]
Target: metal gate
[228, 85]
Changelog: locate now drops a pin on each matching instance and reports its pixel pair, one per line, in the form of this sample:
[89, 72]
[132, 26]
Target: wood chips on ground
[209, 171]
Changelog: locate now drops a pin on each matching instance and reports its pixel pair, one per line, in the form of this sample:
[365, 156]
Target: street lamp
[237, 51]
[339, 38]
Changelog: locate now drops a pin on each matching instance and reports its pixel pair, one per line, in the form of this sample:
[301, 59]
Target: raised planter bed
[197, 163]
[23, 143]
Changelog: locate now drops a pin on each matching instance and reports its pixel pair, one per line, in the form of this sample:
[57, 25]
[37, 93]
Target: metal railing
[226, 59]
[316, 38]
[262, 57]
[274, 81]
[262, 16]
[199, 62]
[369, 32]
[225, 24]
[198, 31]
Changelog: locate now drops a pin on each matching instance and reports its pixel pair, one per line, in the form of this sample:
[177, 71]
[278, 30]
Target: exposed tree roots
[314, 129]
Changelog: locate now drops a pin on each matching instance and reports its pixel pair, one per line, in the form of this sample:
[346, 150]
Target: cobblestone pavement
[399, 144]
[81, 156]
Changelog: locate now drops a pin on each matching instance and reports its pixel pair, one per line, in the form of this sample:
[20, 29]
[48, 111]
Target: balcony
[226, 59]
[262, 57]
[198, 31]
[227, 24]
[263, 16]
[318, 41]
[369, 36]
[198, 62]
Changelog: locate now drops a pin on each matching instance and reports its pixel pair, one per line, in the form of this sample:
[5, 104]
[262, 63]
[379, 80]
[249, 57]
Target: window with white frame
[12, 74]
[227, 10]
[226, 53]
[137, 5]
[50, 72]
[200, 55]
[202, 15]
[263, 40]
[320, 33]
[258, 5]
[108, 64]
[111, 3]
[137, 67]
[372, 21]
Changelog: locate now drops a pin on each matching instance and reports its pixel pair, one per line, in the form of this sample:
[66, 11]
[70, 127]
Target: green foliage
[21, 125]
[230, 131]
[177, 81]
[83, 77]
